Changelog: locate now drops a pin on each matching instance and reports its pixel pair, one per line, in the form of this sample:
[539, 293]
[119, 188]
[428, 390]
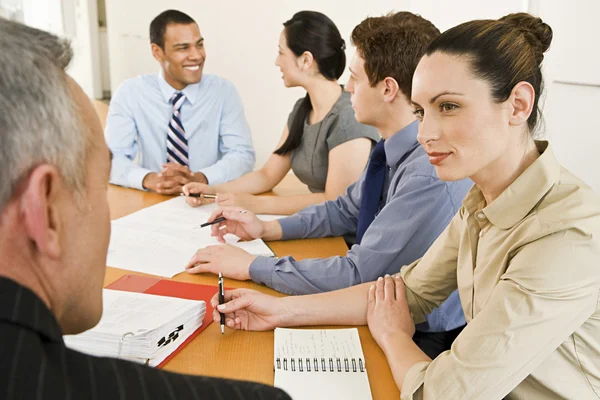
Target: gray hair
[39, 121]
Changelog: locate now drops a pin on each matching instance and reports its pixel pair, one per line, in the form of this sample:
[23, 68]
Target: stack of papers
[140, 327]
[161, 239]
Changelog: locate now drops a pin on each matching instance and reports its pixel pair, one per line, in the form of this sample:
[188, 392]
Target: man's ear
[157, 52]
[521, 100]
[41, 210]
[390, 89]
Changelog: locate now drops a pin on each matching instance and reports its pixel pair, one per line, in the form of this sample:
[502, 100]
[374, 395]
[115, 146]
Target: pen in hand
[201, 195]
[221, 301]
[216, 221]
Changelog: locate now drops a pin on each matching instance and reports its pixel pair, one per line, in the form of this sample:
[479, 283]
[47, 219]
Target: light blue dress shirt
[219, 139]
[416, 207]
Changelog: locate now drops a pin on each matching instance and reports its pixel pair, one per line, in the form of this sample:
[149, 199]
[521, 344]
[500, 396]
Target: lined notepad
[161, 239]
[326, 364]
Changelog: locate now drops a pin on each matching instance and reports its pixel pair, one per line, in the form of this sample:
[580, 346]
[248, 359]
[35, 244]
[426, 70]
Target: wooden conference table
[239, 354]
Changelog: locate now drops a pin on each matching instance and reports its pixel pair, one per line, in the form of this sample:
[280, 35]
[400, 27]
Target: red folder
[163, 287]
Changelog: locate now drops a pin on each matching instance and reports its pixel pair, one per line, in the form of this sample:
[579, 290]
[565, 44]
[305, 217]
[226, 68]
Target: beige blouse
[527, 268]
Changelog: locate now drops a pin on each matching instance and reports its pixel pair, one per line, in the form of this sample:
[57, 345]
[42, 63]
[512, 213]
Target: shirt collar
[401, 143]
[190, 91]
[22, 307]
[517, 201]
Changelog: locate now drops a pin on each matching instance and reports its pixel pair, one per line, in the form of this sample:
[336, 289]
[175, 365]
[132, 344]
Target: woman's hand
[197, 188]
[388, 314]
[243, 200]
[249, 310]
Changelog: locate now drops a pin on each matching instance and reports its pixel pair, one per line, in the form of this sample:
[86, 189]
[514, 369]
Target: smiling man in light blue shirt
[177, 126]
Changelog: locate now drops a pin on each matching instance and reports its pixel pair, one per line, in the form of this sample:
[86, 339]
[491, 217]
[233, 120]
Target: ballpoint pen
[221, 301]
[216, 221]
[201, 195]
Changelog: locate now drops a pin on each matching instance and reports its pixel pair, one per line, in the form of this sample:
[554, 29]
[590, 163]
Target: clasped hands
[171, 179]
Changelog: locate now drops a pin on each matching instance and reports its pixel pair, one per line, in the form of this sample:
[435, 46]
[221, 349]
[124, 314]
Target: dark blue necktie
[372, 189]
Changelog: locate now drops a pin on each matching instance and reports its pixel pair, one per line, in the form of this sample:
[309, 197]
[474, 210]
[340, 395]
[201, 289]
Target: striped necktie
[177, 145]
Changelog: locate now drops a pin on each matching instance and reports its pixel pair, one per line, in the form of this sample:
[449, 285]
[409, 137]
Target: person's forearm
[341, 307]
[125, 172]
[401, 353]
[254, 182]
[271, 231]
[287, 205]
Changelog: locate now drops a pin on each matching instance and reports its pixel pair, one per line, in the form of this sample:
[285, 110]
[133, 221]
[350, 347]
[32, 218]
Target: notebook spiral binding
[320, 364]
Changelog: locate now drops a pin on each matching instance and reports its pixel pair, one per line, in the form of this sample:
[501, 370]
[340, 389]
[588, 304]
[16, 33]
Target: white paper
[144, 322]
[160, 240]
[330, 345]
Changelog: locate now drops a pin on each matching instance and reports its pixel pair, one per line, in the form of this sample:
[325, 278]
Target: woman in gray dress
[322, 142]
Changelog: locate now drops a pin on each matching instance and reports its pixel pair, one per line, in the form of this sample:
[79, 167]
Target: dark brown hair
[314, 32]
[502, 52]
[392, 46]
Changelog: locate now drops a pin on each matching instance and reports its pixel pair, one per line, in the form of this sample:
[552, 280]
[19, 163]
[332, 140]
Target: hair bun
[538, 33]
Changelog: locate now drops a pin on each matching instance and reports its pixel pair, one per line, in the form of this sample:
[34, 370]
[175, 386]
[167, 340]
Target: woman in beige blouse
[523, 251]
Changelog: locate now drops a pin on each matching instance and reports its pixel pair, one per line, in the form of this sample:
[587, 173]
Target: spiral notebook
[321, 364]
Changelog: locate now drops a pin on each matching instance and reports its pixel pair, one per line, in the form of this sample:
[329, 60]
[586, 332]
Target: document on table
[161, 239]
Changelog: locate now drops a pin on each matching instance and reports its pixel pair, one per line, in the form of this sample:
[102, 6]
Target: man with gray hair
[54, 234]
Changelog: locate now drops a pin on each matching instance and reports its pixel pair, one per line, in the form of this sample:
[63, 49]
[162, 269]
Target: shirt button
[480, 215]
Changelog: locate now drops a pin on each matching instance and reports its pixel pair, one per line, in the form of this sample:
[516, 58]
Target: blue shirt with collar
[219, 139]
[415, 208]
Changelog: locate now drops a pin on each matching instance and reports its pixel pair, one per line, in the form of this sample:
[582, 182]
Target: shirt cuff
[291, 227]
[136, 176]
[412, 388]
[261, 270]
[214, 174]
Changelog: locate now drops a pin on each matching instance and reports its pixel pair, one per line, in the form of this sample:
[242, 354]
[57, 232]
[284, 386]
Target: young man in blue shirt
[397, 208]
[184, 126]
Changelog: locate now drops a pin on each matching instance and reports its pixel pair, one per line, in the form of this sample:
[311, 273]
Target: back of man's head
[392, 45]
[54, 166]
[158, 26]
[39, 121]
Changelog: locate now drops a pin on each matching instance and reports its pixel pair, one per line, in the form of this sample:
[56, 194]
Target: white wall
[571, 111]
[78, 21]
[446, 14]
[241, 40]
[81, 26]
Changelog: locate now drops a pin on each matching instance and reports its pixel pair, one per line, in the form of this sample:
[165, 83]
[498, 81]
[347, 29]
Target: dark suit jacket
[35, 364]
